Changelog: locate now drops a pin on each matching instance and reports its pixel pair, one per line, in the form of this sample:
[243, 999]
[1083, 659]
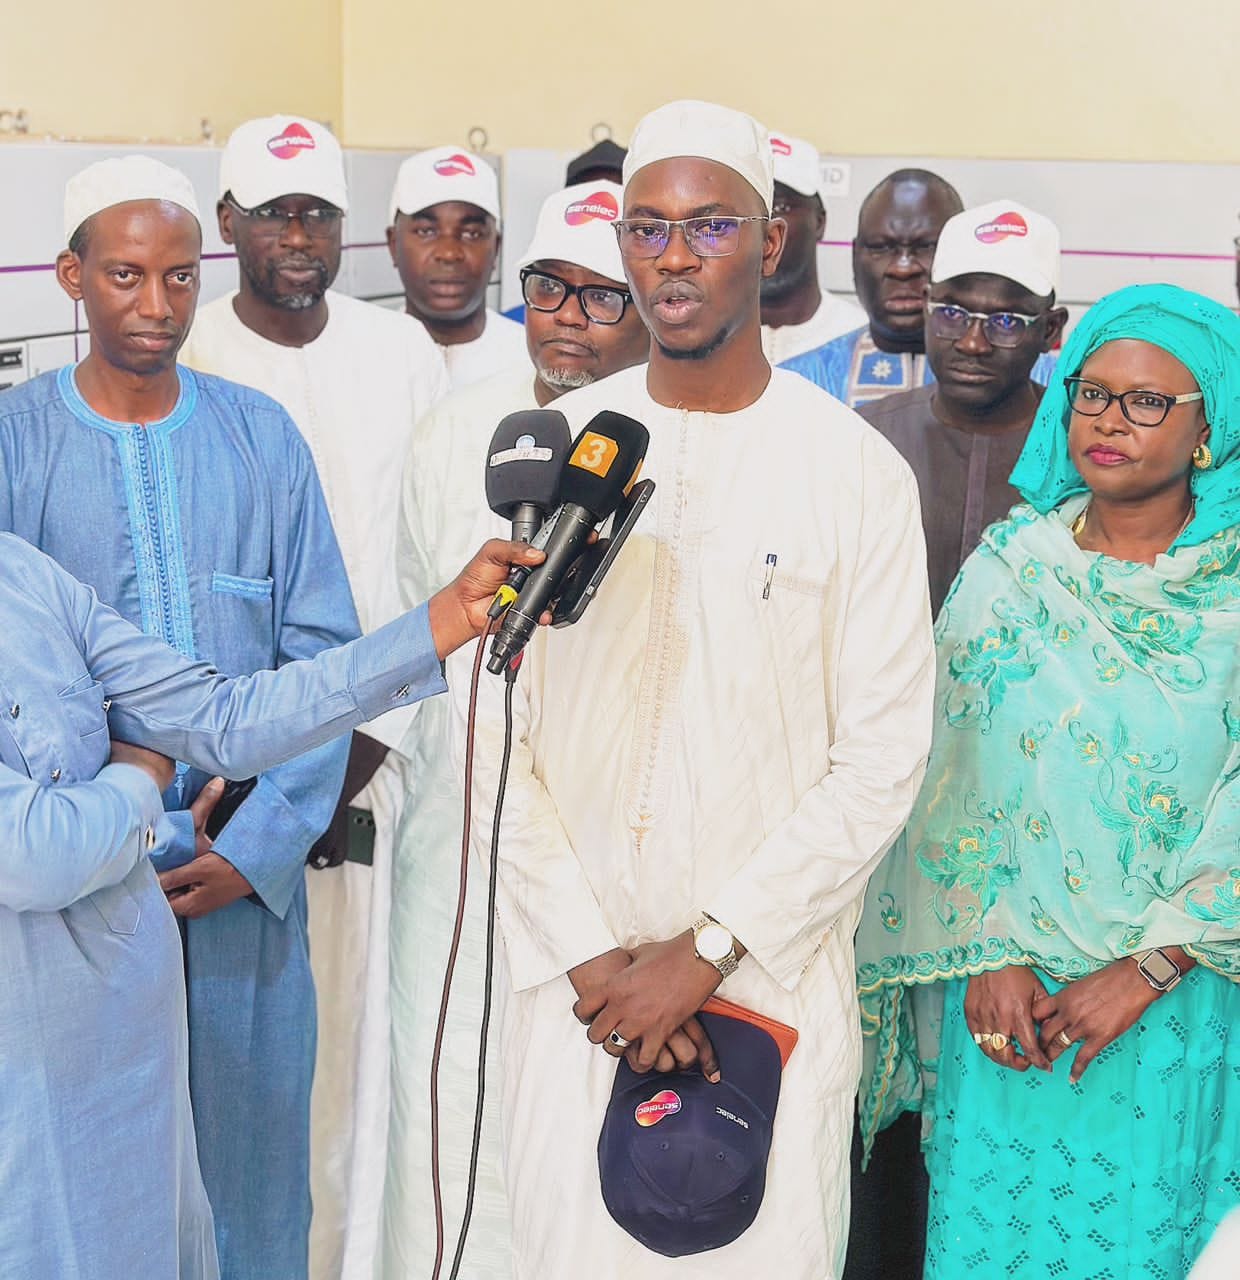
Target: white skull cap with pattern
[708, 132]
[107, 182]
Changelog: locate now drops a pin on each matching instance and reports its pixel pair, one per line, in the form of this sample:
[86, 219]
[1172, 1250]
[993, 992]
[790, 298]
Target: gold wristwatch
[714, 944]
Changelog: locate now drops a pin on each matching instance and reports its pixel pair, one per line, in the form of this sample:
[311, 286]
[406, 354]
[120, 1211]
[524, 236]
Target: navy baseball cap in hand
[682, 1161]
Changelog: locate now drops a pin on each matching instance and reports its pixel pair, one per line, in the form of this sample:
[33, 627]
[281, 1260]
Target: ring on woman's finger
[618, 1040]
[1064, 1039]
[980, 1039]
[996, 1040]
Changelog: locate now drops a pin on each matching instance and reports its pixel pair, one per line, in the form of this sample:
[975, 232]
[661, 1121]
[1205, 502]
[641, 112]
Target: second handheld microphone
[601, 468]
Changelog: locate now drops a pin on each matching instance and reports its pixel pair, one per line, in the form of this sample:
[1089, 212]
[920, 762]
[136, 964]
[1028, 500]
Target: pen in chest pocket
[768, 577]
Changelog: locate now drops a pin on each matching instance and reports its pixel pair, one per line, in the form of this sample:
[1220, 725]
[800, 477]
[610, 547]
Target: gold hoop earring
[1202, 457]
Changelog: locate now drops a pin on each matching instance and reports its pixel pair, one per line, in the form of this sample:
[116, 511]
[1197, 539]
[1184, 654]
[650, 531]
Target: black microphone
[605, 460]
[524, 462]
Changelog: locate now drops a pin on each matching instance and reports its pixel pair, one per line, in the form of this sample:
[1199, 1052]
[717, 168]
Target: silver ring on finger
[618, 1040]
[1064, 1039]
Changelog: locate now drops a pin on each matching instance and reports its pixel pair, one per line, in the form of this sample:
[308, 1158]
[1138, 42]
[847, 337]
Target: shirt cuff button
[402, 692]
[150, 837]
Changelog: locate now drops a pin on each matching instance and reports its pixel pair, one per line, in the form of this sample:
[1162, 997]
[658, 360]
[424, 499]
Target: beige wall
[103, 70]
[1106, 79]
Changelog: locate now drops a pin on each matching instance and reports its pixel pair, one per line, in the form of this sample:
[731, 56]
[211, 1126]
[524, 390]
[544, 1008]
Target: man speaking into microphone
[710, 764]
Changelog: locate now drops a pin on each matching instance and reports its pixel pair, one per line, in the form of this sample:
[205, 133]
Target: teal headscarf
[1204, 336]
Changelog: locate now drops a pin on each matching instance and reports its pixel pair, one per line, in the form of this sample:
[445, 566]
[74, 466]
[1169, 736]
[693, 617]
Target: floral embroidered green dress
[1082, 802]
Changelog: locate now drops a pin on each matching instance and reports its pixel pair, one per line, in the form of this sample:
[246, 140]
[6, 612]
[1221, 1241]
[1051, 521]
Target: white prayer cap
[277, 156]
[708, 132]
[578, 225]
[107, 182]
[797, 164]
[1001, 238]
[442, 174]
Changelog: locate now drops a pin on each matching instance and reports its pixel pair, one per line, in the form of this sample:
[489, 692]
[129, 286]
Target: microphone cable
[510, 679]
[510, 675]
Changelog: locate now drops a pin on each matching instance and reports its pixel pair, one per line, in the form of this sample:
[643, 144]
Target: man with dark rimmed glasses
[354, 378]
[580, 327]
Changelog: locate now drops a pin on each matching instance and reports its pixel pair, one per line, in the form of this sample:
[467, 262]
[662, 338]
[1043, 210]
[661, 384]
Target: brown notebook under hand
[784, 1036]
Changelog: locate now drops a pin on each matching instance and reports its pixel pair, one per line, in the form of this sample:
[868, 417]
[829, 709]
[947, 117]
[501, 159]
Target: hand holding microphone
[602, 467]
[458, 612]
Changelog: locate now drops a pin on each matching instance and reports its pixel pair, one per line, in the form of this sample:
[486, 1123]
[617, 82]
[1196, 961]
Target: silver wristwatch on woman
[1158, 969]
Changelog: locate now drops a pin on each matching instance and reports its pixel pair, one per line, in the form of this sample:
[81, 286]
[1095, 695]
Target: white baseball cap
[797, 164]
[1002, 238]
[708, 132]
[441, 174]
[577, 225]
[283, 156]
[107, 182]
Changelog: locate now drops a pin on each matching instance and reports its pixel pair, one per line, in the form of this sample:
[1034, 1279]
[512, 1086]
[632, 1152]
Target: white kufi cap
[278, 156]
[707, 132]
[107, 182]
[578, 226]
[441, 174]
[1001, 238]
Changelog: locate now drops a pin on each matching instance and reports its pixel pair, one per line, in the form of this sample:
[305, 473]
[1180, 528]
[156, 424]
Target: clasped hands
[1017, 1023]
[649, 996]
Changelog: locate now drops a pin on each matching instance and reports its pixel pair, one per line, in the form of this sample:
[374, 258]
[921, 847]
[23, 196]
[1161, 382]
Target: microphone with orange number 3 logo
[602, 466]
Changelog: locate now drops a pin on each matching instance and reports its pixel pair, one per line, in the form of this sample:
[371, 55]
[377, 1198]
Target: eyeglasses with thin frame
[270, 220]
[1141, 408]
[999, 328]
[545, 292]
[715, 236]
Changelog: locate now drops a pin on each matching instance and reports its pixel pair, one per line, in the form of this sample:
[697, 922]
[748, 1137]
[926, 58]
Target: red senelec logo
[601, 205]
[780, 147]
[1005, 225]
[455, 166]
[664, 1103]
[295, 139]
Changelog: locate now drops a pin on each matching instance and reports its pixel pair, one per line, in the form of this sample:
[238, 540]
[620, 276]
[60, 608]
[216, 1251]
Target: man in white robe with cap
[798, 313]
[581, 326]
[720, 751]
[355, 378]
[444, 237]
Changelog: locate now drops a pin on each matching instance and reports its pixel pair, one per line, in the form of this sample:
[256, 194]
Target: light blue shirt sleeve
[59, 844]
[267, 839]
[239, 727]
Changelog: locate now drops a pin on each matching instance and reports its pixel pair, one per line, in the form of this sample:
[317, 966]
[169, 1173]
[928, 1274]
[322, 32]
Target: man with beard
[707, 767]
[191, 505]
[581, 326]
[897, 228]
[799, 314]
[444, 238]
[355, 378]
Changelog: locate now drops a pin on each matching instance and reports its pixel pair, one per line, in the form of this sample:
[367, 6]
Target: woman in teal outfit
[1049, 958]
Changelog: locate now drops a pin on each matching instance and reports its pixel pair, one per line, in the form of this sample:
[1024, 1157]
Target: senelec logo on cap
[1004, 226]
[664, 1103]
[601, 205]
[455, 166]
[780, 147]
[295, 139]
